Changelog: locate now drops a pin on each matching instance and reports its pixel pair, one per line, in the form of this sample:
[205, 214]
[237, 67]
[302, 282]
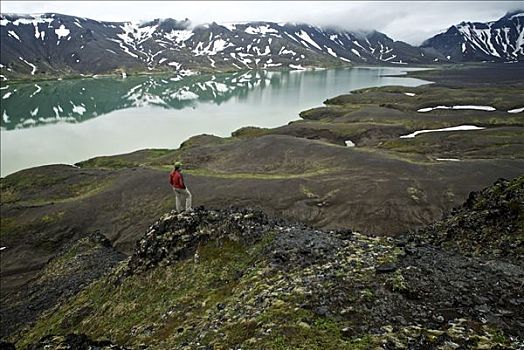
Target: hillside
[238, 279]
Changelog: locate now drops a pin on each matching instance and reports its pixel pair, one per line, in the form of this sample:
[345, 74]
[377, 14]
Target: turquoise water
[72, 120]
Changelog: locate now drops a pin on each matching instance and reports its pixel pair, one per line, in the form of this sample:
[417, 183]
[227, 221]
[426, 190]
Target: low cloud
[409, 21]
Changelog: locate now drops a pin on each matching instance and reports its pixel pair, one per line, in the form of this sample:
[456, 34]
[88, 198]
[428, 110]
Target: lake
[68, 121]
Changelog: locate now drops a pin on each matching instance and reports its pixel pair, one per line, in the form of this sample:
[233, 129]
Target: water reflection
[72, 120]
[74, 101]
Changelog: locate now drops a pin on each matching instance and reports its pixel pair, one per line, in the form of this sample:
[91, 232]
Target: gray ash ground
[77, 265]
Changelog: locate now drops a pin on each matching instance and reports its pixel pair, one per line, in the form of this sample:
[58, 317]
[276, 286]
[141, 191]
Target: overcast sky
[410, 21]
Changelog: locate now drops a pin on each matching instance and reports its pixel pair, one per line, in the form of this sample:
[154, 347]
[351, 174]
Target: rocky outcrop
[490, 223]
[177, 236]
[73, 342]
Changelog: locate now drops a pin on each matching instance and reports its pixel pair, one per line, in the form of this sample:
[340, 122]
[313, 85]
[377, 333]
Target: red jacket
[176, 179]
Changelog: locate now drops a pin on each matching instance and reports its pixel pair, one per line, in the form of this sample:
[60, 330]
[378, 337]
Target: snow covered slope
[47, 44]
[500, 41]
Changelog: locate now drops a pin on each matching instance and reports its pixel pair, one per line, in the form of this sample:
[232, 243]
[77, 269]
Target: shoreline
[118, 73]
[403, 73]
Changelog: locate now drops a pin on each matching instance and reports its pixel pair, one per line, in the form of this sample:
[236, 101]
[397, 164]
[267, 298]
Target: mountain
[500, 41]
[53, 44]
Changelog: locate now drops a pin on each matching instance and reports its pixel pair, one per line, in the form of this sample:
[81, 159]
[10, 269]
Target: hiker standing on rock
[181, 192]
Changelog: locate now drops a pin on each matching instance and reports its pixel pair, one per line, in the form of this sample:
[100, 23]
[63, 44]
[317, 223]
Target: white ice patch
[79, 109]
[175, 64]
[212, 48]
[221, 87]
[516, 110]
[448, 159]
[453, 128]
[62, 32]
[350, 143]
[122, 46]
[477, 108]
[409, 94]
[5, 117]
[230, 26]
[266, 52]
[184, 95]
[284, 51]
[14, 35]
[38, 89]
[34, 112]
[187, 72]
[29, 20]
[2, 248]
[331, 52]
[7, 95]
[265, 29]
[179, 36]
[303, 35]
[297, 67]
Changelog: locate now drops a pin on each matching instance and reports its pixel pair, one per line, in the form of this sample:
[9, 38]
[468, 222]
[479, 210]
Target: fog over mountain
[411, 23]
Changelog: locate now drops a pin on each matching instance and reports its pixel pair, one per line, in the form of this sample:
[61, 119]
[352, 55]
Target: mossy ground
[229, 296]
[166, 299]
[225, 296]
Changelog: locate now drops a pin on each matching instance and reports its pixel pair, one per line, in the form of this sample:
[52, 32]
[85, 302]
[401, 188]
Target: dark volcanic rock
[177, 235]
[6, 346]
[490, 222]
[301, 246]
[438, 286]
[73, 342]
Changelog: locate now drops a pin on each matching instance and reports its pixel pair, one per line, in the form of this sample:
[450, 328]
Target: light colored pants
[181, 195]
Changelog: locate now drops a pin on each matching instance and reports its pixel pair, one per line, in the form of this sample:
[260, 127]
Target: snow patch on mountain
[62, 32]
[261, 29]
[14, 35]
